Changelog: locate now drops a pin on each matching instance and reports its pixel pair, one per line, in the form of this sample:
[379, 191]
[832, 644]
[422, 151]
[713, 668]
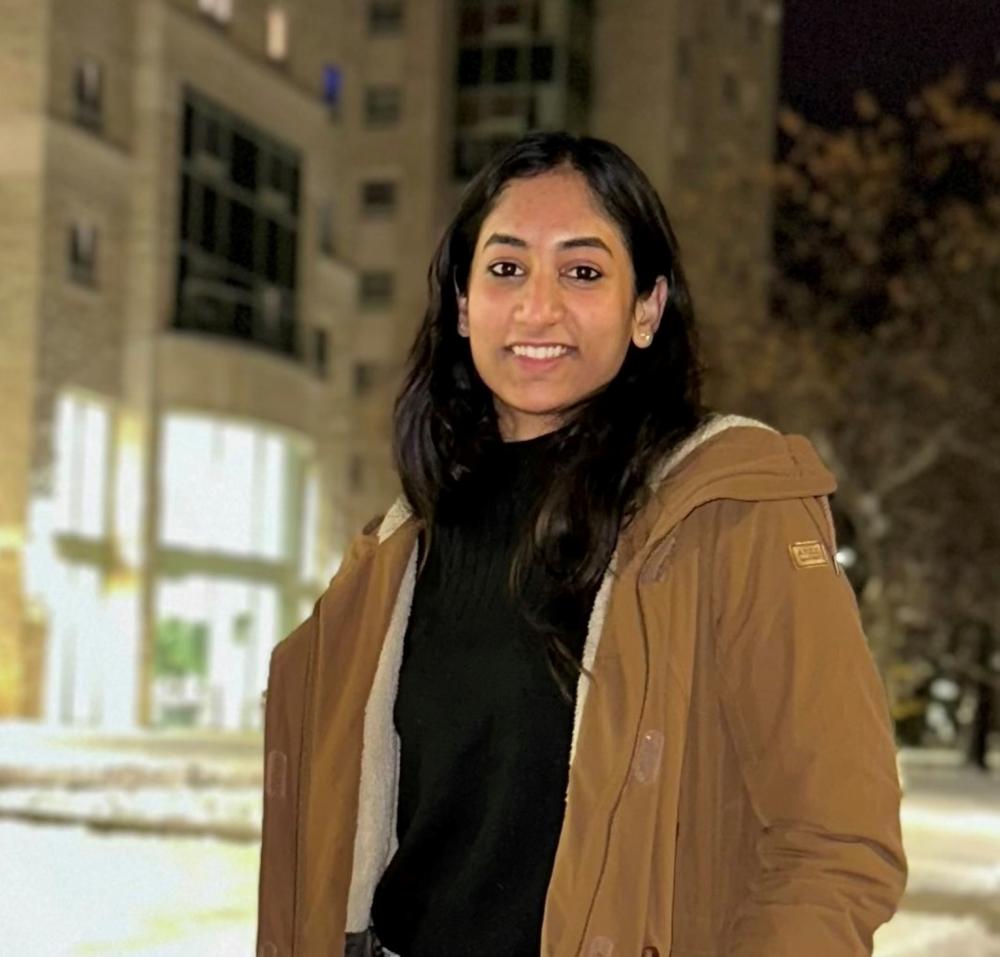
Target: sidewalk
[132, 891]
[161, 782]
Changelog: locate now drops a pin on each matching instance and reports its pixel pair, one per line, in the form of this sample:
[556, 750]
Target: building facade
[219, 216]
[175, 307]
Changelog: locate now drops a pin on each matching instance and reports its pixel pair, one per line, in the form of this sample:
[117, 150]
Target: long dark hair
[445, 423]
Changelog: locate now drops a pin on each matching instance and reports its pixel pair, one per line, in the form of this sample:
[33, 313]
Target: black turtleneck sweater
[484, 736]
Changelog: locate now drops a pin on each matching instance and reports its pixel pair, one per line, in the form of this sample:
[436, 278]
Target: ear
[648, 313]
[463, 314]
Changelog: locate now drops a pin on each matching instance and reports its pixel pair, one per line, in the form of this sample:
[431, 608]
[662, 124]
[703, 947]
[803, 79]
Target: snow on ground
[82, 880]
[934, 935]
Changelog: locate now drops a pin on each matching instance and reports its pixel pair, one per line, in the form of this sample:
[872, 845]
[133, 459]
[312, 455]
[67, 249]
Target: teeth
[539, 352]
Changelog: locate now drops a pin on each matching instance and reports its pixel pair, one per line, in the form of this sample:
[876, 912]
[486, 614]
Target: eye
[586, 273]
[503, 270]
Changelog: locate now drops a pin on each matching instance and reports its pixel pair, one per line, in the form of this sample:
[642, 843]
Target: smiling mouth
[539, 352]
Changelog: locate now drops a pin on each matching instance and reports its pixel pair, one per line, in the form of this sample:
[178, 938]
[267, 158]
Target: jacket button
[601, 947]
[646, 766]
[276, 774]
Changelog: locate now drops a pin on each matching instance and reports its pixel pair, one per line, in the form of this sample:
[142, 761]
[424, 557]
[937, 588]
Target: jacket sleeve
[284, 710]
[810, 723]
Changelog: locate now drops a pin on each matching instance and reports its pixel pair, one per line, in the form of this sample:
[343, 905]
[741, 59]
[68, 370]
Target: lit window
[376, 290]
[83, 254]
[81, 465]
[277, 33]
[211, 645]
[332, 81]
[378, 197]
[219, 10]
[233, 473]
[88, 94]
[308, 566]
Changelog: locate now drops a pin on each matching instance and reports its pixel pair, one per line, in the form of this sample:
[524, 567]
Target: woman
[595, 685]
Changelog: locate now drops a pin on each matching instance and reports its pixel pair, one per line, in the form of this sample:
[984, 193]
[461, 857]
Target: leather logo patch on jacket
[808, 554]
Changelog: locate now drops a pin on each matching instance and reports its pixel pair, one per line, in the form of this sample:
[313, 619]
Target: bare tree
[884, 342]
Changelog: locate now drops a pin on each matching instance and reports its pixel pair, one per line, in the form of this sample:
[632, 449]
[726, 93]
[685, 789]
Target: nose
[541, 300]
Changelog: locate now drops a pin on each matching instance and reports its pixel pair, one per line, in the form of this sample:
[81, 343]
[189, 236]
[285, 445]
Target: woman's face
[550, 309]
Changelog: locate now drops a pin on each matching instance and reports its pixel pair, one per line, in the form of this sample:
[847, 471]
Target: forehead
[548, 207]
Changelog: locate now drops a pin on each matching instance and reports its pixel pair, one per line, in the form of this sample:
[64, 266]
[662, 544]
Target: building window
[319, 350]
[219, 10]
[506, 14]
[578, 76]
[382, 105]
[326, 243]
[376, 290]
[378, 197]
[730, 89]
[506, 65]
[82, 437]
[83, 254]
[470, 22]
[356, 473]
[469, 109]
[88, 94]
[385, 16]
[470, 67]
[364, 377]
[684, 57]
[470, 154]
[542, 63]
[238, 473]
[277, 34]
[239, 227]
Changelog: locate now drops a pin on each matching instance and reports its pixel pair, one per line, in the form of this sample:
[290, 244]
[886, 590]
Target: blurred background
[217, 217]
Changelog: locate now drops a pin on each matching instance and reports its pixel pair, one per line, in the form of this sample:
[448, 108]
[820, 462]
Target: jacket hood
[731, 456]
[727, 456]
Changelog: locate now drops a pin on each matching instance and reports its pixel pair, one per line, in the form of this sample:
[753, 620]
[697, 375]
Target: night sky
[890, 47]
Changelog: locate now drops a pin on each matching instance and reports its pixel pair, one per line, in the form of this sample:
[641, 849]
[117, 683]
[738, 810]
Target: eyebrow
[577, 242]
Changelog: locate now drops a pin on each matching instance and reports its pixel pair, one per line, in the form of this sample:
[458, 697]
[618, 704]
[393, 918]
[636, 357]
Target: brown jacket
[733, 787]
